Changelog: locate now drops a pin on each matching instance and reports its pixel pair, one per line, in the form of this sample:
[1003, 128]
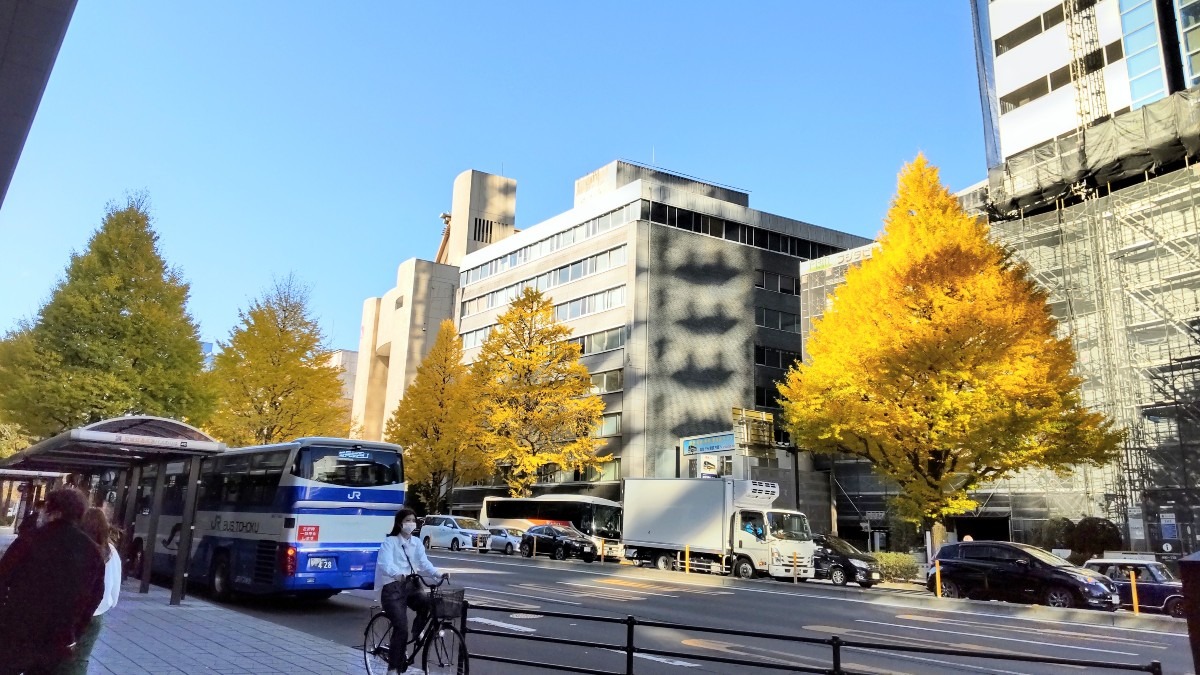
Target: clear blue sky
[323, 138]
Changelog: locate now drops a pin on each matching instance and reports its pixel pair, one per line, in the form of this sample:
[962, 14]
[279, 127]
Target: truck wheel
[838, 576]
[744, 569]
[664, 562]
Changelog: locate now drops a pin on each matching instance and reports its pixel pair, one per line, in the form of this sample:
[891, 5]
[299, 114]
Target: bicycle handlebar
[444, 579]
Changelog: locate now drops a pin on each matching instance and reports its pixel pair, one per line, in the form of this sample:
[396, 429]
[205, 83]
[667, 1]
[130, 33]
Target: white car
[454, 533]
[507, 539]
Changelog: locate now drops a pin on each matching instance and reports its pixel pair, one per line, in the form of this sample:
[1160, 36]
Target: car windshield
[515, 532]
[469, 524]
[841, 546]
[1045, 557]
[1164, 574]
[792, 526]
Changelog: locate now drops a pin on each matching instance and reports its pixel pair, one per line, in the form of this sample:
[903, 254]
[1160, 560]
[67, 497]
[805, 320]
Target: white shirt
[400, 556]
[112, 581]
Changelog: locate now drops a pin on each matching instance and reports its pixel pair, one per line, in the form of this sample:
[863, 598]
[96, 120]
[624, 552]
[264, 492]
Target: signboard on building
[697, 445]
[1170, 530]
[1137, 526]
[709, 467]
[753, 427]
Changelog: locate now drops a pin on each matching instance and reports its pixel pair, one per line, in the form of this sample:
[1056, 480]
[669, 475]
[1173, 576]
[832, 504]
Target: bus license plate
[320, 563]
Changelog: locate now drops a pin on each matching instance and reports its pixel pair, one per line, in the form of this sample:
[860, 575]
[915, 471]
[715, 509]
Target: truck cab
[772, 541]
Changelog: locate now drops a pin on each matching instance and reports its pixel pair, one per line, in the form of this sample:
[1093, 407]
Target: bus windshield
[349, 467]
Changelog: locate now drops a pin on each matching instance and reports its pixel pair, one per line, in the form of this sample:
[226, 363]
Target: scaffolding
[1122, 269]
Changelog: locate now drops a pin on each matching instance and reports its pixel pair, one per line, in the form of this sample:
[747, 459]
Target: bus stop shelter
[115, 452]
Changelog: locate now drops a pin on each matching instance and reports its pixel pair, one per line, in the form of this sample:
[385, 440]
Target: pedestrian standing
[32, 519]
[401, 559]
[95, 525]
[51, 582]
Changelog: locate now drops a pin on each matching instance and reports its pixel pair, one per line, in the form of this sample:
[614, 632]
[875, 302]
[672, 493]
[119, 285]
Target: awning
[117, 443]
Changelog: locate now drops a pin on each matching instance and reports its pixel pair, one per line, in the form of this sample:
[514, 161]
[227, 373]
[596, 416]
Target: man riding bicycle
[401, 559]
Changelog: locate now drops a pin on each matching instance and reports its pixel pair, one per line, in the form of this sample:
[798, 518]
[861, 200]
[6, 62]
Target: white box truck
[721, 525]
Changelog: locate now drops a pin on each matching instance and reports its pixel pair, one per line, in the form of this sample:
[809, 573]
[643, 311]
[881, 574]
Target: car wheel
[218, 578]
[744, 569]
[1058, 596]
[663, 562]
[587, 557]
[508, 549]
[526, 550]
[428, 544]
[560, 553]
[951, 589]
[838, 576]
[866, 584]
[1174, 608]
[454, 545]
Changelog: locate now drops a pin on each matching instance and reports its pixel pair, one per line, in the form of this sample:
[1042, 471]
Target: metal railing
[836, 644]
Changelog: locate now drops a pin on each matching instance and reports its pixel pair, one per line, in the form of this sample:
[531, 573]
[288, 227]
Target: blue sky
[323, 138]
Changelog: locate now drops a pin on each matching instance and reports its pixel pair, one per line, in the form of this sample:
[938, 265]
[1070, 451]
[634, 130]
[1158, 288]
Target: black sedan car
[838, 561]
[1001, 570]
[558, 542]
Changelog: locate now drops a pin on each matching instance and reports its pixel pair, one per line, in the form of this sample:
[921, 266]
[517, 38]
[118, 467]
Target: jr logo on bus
[354, 494]
[220, 524]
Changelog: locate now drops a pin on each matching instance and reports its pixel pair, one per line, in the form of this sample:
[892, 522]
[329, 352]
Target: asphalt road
[812, 610]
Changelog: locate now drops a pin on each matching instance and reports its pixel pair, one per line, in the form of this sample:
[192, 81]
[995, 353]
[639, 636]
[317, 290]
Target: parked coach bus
[599, 519]
[303, 518]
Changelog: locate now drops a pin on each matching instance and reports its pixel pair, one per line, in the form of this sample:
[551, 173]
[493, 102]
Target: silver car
[505, 539]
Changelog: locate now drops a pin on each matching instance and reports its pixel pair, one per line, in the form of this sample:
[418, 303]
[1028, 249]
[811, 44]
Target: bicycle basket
[448, 604]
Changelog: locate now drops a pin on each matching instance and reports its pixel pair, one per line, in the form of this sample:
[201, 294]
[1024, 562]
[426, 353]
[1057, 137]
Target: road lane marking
[911, 641]
[477, 600]
[660, 659]
[471, 570]
[660, 587]
[1038, 631]
[781, 658]
[520, 595]
[500, 624]
[576, 594]
[622, 590]
[994, 637]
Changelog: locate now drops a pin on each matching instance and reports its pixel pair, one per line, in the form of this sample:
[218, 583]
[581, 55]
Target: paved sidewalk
[144, 635]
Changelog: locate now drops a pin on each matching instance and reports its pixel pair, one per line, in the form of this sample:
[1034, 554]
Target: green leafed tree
[273, 379]
[115, 338]
[436, 422]
[938, 362]
[536, 404]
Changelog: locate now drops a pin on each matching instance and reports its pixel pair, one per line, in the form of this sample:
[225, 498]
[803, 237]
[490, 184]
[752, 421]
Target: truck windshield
[792, 526]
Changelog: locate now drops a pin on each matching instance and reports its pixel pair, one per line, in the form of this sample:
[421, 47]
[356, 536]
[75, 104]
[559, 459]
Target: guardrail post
[630, 622]
[1155, 668]
[466, 605]
[687, 559]
[937, 578]
[836, 643]
[795, 573]
[1133, 589]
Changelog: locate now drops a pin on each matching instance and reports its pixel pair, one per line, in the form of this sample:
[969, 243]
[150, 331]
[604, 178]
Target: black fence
[836, 645]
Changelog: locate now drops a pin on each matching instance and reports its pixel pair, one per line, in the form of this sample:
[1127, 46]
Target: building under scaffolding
[1109, 227]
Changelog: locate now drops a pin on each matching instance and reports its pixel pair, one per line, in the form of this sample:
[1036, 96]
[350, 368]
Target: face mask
[407, 528]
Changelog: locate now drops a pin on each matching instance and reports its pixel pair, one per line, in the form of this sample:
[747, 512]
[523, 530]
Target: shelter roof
[117, 443]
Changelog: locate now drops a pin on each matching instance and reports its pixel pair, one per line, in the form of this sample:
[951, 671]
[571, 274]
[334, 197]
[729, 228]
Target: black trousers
[396, 597]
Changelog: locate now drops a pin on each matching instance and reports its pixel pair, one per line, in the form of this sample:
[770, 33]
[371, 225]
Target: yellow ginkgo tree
[938, 362]
[536, 407]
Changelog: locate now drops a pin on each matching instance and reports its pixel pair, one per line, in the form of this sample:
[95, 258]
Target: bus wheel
[218, 578]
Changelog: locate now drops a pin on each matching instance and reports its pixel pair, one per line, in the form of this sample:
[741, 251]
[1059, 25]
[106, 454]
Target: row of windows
[774, 358]
[608, 471]
[601, 262]
[1139, 25]
[608, 381]
[613, 338]
[244, 480]
[770, 318]
[1035, 27]
[764, 397]
[1059, 78]
[587, 230]
[610, 425]
[757, 237]
[590, 304]
[1189, 23]
[778, 283]
[475, 338]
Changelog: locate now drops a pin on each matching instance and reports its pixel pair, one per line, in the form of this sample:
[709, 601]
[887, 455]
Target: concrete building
[346, 362]
[685, 299]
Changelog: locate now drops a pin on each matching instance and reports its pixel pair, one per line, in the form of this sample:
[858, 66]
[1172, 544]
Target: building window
[608, 382]
[475, 338]
[764, 397]
[671, 216]
[595, 264]
[774, 358]
[399, 302]
[1143, 60]
[776, 283]
[483, 230]
[605, 340]
[610, 425]
[590, 304]
[774, 319]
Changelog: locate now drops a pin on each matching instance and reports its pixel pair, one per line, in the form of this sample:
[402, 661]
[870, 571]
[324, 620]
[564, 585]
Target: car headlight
[860, 564]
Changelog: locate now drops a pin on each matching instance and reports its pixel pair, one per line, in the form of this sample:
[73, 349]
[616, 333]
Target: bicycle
[441, 644]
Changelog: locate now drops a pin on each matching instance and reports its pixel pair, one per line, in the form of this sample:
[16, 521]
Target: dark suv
[999, 570]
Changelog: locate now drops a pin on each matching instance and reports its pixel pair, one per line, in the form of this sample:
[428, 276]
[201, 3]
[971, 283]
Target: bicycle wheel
[445, 652]
[377, 641]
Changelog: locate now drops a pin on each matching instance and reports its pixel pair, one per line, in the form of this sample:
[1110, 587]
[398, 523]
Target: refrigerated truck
[718, 525]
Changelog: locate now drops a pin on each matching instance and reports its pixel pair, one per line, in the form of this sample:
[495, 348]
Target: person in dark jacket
[50, 585]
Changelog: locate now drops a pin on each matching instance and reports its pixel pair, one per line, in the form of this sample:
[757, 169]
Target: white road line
[500, 624]
[901, 655]
[660, 659]
[578, 569]
[616, 588]
[993, 637]
[520, 595]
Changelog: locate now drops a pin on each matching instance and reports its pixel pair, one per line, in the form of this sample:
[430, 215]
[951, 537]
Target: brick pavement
[143, 635]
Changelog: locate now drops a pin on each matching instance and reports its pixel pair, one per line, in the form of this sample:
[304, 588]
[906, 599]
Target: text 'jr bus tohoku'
[304, 517]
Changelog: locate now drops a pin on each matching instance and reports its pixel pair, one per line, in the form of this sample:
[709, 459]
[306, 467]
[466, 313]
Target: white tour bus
[599, 519]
